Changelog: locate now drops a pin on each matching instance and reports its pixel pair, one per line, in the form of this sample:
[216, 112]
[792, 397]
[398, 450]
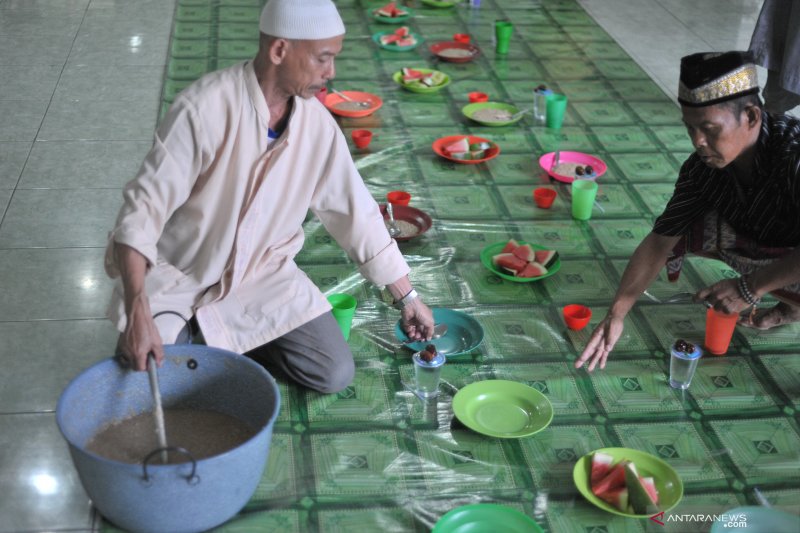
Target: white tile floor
[79, 93]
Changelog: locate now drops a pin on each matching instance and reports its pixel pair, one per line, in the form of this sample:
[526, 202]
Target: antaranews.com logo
[728, 520]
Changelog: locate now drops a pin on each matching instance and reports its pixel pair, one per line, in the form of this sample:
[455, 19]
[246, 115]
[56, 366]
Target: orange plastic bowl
[331, 99]
[577, 316]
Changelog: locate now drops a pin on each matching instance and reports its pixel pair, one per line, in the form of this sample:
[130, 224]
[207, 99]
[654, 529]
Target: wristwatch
[403, 302]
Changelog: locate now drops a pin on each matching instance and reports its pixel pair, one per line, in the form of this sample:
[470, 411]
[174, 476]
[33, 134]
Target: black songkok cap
[709, 78]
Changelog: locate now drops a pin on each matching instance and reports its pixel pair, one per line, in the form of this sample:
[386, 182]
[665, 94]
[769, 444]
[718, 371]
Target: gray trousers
[314, 355]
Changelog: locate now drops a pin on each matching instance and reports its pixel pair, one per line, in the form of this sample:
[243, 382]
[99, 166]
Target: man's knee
[337, 377]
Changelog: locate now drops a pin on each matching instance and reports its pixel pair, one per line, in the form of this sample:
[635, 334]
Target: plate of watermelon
[502, 408]
[466, 149]
[422, 80]
[627, 482]
[454, 52]
[391, 13]
[464, 334]
[400, 40]
[520, 261]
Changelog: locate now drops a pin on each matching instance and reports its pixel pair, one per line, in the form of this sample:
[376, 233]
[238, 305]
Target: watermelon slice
[406, 41]
[639, 497]
[402, 31]
[389, 39]
[387, 10]
[532, 270]
[601, 464]
[458, 146]
[509, 262]
[649, 485]
[509, 247]
[613, 480]
[411, 74]
[525, 252]
[616, 497]
[546, 257]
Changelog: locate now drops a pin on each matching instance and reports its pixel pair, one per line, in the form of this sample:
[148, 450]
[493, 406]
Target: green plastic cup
[502, 32]
[583, 195]
[556, 109]
[344, 308]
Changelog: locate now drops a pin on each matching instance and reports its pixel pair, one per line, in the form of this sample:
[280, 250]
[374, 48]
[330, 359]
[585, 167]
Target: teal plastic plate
[757, 520]
[464, 333]
[502, 408]
[494, 249]
[486, 518]
[394, 47]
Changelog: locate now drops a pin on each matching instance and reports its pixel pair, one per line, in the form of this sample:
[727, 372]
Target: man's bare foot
[779, 315]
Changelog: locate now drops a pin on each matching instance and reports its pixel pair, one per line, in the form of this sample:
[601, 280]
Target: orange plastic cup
[361, 138]
[477, 96]
[461, 38]
[577, 316]
[544, 197]
[719, 331]
[398, 197]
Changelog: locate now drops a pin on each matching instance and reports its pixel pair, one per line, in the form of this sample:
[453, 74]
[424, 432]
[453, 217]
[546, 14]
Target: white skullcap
[301, 19]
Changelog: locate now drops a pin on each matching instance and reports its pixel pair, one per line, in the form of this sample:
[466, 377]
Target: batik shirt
[767, 211]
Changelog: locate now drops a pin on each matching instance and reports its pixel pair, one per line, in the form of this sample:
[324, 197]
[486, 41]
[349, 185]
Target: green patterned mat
[373, 457]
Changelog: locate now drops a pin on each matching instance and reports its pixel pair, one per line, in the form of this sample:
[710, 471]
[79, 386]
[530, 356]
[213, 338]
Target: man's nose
[698, 140]
[330, 73]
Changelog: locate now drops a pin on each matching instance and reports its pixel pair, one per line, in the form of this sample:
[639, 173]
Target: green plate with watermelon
[421, 80]
[606, 479]
[520, 261]
[391, 13]
[399, 40]
[502, 408]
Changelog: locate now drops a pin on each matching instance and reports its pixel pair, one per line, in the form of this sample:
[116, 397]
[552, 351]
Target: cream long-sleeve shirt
[218, 214]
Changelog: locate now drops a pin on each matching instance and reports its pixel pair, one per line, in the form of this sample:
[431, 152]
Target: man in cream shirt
[211, 224]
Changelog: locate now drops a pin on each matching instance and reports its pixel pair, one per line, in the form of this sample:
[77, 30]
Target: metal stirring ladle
[161, 433]
[394, 231]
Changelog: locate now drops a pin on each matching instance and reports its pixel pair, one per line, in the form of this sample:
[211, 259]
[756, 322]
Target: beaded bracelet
[746, 293]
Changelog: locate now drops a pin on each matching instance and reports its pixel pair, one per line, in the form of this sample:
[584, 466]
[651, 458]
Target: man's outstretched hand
[602, 341]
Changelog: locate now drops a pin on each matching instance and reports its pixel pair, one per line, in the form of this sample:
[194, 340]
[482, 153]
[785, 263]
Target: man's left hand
[417, 320]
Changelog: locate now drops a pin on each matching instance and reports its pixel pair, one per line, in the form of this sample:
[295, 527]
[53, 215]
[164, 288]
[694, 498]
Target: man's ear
[753, 115]
[278, 50]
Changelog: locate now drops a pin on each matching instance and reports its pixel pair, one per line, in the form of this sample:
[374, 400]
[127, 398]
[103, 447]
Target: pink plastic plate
[546, 161]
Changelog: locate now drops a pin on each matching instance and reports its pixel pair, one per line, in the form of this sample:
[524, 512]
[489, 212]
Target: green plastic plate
[494, 249]
[470, 109]
[439, 3]
[501, 408]
[418, 87]
[668, 483]
[464, 333]
[393, 20]
[486, 518]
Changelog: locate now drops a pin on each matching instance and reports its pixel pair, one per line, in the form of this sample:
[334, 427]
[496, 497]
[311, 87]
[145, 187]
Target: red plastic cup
[361, 138]
[321, 94]
[544, 197]
[461, 38]
[719, 331]
[577, 316]
[398, 197]
[478, 96]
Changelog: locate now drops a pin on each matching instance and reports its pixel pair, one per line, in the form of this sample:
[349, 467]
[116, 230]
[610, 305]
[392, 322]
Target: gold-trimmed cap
[709, 78]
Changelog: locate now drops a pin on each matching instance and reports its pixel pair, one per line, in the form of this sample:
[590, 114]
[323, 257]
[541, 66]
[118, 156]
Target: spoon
[358, 102]
[515, 116]
[394, 231]
[439, 330]
[152, 373]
